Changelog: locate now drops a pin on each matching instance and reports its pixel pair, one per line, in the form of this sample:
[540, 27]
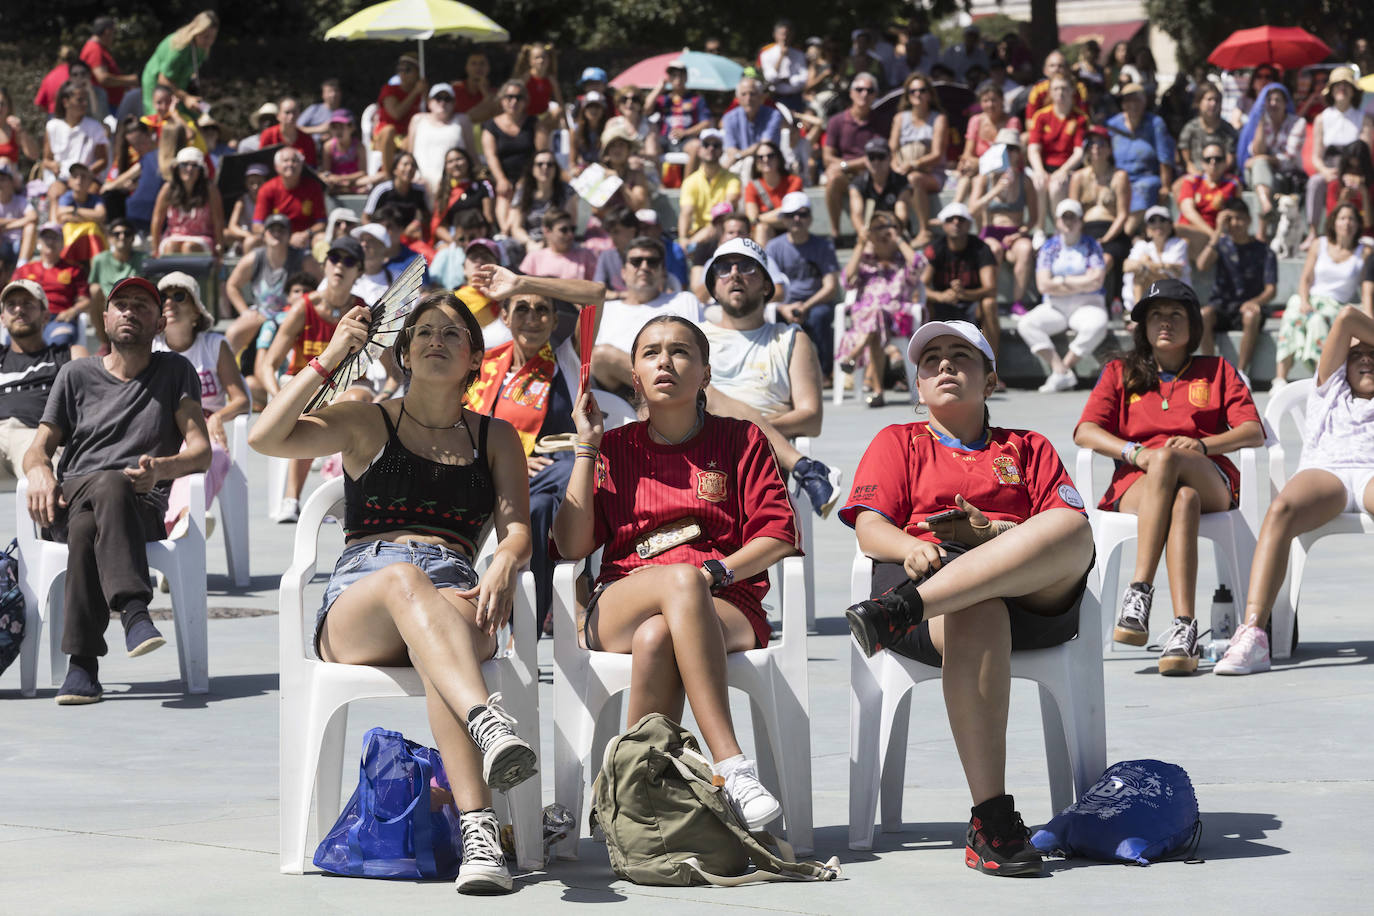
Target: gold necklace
[1164, 401]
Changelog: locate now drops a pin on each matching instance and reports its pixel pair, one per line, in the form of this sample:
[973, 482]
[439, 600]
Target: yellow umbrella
[1367, 83]
[418, 20]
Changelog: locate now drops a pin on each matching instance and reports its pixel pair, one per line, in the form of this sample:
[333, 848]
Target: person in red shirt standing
[300, 201]
[104, 68]
[1168, 418]
[981, 547]
[537, 68]
[63, 282]
[397, 103]
[48, 95]
[1055, 144]
[1201, 197]
[285, 131]
[691, 511]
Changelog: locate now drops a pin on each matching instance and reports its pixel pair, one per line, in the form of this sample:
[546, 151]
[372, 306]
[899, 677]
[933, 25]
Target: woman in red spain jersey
[1168, 417]
[1007, 572]
[691, 511]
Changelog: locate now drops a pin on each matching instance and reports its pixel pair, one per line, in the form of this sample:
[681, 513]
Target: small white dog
[1289, 232]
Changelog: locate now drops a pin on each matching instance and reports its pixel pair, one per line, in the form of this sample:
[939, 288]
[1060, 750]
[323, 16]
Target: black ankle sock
[912, 604]
[87, 663]
[997, 805]
[476, 711]
[132, 613]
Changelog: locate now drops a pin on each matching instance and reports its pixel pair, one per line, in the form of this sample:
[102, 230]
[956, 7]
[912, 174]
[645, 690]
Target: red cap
[136, 283]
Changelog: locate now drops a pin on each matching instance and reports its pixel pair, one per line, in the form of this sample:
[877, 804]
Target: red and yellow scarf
[524, 401]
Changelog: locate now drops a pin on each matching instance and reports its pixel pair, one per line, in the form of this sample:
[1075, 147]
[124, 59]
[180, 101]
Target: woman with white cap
[189, 214]
[1070, 270]
[1340, 124]
[980, 547]
[435, 132]
[586, 133]
[1008, 206]
[223, 393]
[1161, 255]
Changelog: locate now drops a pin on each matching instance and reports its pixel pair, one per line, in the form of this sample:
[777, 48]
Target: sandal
[875, 399]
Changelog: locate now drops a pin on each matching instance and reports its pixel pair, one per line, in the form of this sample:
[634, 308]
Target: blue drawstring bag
[393, 827]
[11, 607]
[1140, 811]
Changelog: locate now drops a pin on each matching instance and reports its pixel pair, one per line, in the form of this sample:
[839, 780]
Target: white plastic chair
[855, 378]
[1232, 534]
[806, 526]
[1291, 402]
[43, 569]
[315, 697]
[1072, 710]
[233, 504]
[588, 712]
[367, 124]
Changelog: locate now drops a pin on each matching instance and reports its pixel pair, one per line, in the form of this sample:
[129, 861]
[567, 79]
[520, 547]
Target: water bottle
[1223, 622]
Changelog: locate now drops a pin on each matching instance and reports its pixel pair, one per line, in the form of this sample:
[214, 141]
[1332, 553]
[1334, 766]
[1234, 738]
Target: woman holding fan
[423, 479]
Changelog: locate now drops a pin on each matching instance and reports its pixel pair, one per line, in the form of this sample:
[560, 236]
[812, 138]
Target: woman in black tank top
[423, 479]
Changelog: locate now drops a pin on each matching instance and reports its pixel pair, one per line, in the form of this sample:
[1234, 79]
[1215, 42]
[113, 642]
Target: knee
[1281, 511]
[1251, 314]
[1187, 503]
[1209, 317]
[1166, 462]
[977, 627]
[80, 529]
[1022, 250]
[686, 581]
[653, 641]
[403, 583]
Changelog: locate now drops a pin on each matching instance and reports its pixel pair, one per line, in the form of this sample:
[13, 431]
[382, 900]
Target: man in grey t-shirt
[123, 418]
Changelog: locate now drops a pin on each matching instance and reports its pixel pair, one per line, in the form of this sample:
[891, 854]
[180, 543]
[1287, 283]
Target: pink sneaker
[1247, 654]
[332, 467]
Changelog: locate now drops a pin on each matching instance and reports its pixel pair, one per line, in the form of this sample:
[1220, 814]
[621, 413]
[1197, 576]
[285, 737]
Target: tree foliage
[1200, 25]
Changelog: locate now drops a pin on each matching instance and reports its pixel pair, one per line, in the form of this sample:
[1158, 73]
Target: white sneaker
[1038, 239]
[507, 760]
[1248, 652]
[484, 868]
[1059, 381]
[288, 512]
[756, 805]
[1278, 385]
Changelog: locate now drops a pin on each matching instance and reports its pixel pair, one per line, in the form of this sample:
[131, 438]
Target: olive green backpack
[667, 821]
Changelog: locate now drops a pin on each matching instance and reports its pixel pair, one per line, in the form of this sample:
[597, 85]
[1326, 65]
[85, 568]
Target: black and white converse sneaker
[507, 760]
[484, 868]
[1181, 653]
[1133, 623]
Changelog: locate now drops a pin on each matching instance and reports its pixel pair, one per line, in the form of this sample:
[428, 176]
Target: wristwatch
[844, 165]
[721, 575]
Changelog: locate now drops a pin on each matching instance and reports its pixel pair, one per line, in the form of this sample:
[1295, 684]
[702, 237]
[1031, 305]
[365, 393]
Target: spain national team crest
[1199, 393]
[1006, 470]
[711, 486]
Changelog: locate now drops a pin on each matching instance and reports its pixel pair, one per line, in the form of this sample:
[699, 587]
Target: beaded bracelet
[1126, 450]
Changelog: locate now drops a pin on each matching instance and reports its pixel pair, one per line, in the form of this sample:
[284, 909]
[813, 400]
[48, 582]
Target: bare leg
[987, 316]
[976, 677]
[95, 310]
[836, 195]
[1181, 555]
[1208, 346]
[701, 629]
[462, 760]
[296, 476]
[611, 367]
[1252, 320]
[1284, 366]
[243, 329]
[1309, 500]
[655, 684]
[1023, 263]
[1151, 498]
[385, 141]
[877, 363]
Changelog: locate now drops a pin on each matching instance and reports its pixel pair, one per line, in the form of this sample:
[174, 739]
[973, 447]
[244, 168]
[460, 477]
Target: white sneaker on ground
[1038, 239]
[1059, 381]
[1278, 385]
[1248, 652]
[507, 760]
[756, 805]
[288, 512]
[484, 868]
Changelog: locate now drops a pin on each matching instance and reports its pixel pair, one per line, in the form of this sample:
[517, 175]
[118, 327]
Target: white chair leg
[328, 770]
[33, 633]
[189, 608]
[56, 612]
[297, 758]
[233, 515]
[793, 743]
[894, 724]
[1109, 560]
[865, 763]
[1056, 751]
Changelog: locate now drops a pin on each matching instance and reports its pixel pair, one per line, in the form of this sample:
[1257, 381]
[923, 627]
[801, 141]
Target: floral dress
[889, 297]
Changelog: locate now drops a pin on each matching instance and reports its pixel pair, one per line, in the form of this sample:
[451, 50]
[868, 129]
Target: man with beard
[123, 419]
[765, 373]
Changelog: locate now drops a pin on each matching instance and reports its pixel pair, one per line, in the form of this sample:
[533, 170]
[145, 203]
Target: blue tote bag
[389, 828]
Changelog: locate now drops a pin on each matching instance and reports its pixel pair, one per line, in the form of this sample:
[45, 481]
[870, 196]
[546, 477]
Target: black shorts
[1029, 630]
[1228, 316]
[949, 311]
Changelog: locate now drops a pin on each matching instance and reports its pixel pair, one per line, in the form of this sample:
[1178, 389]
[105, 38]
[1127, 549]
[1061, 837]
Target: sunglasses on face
[177, 295]
[651, 262]
[712, 144]
[1213, 160]
[918, 90]
[347, 260]
[876, 157]
[280, 229]
[512, 98]
[543, 163]
[799, 214]
[121, 234]
[862, 90]
[764, 157]
[744, 266]
[1157, 221]
[524, 310]
[446, 99]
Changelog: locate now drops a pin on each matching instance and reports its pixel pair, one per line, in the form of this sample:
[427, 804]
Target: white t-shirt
[203, 354]
[620, 321]
[753, 366]
[433, 139]
[1340, 427]
[1175, 254]
[75, 144]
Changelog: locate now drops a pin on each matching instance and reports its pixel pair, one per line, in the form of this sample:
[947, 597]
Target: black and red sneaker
[878, 622]
[998, 841]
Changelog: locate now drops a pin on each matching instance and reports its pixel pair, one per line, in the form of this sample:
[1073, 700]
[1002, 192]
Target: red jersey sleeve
[1047, 479]
[767, 510]
[1037, 126]
[1236, 400]
[81, 281]
[263, 207]
[1104, 404]
[881, 481]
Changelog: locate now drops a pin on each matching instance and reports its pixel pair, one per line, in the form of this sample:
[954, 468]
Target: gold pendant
[1164, 403]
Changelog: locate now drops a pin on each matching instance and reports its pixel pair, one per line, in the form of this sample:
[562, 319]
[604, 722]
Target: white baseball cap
[933, 329]
[647, 217]
[441, 89]
[955, 209]
[1156, 210]
[711, 133]
[1069, 205]
[793, 202]
[373, 229]
[192, 155]
[29, 286]
[345, 214]
[749, 249]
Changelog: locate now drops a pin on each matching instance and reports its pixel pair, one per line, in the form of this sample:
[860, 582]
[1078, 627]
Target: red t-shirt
[1206, 399]
[907, 473]
[303, 205]
[272, 136]
[64, 282]
[775, 195]
[1207, 197]
[1058, 137]
[540, 91]
[464, 99]
[316, 333]
[94, 54]
[1039, 98]
[402, 124]
[725, 477]
[46, 97]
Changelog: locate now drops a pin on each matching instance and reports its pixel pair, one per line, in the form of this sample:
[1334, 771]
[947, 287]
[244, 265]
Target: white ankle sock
[727, 766]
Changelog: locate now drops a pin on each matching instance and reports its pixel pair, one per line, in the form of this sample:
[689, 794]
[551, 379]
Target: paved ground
[154, 802]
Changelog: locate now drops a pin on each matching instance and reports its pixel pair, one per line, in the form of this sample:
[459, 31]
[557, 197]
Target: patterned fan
[388, 317]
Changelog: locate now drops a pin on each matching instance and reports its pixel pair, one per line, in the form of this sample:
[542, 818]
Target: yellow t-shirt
[704, 193]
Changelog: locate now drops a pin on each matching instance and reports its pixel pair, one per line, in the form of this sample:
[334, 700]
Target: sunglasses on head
[651, 261]
[347, 260]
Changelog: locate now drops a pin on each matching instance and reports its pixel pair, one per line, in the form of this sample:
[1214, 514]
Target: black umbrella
[233, 166]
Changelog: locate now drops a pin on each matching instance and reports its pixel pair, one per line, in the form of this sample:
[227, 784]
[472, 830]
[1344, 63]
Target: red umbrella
[1290, 48]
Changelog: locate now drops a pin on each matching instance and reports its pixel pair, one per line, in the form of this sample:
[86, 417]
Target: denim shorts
[446, 569]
